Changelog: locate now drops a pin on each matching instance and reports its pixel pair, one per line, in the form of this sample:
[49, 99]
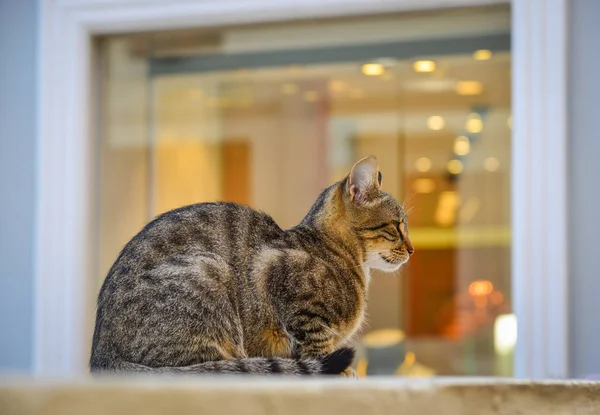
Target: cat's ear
[364, 181]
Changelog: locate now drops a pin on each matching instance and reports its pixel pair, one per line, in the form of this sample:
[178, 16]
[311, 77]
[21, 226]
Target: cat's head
[378, 221]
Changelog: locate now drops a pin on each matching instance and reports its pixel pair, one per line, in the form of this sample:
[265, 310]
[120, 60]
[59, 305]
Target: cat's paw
[337, 362]
[349, 373]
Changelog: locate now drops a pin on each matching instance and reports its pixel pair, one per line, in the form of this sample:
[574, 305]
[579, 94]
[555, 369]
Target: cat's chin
[378, 262]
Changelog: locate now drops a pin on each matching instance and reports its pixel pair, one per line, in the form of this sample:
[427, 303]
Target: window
[236, 113]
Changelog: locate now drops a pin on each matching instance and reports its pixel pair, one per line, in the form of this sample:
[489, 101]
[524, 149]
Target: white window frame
[64, 237]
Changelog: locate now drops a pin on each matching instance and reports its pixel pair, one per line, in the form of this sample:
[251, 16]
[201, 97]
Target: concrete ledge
[437, 396]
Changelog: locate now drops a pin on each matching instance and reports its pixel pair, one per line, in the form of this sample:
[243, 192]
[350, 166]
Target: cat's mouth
[386, 261]
[394, 260]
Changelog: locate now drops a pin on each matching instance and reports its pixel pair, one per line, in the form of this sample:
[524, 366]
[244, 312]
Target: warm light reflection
[474, 123]
[423, 164]
[482, 55]
[424, 66]
[469, 210]
[497, 298]
[361, 367]
[445, 213]
[505, 334]
[289, 89]
[509, 122]
[196, 94]
[480, 287]
[311, 96]
[480, 301]
[372, 69]
[491, 164]
[356, 93]
[335, 85]
[246, 102]
[469, 88]
[462, 146]
[423, 185]
[388, 76]
[435, 122]
[455, 166]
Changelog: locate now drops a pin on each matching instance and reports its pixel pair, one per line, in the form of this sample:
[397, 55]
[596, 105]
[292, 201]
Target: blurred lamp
[505, 334]
[474, 124]
[435, 122]
[455, 166]
[372, 69]
[424, 66]
[423, 164]
[480, 287]
[462, 146]
[469, 88]
[482, 55]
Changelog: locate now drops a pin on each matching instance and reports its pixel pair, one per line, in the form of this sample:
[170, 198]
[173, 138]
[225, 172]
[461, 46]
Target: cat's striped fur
[218, 287]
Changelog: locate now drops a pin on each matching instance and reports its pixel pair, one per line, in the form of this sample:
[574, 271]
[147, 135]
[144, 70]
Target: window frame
[64, 256]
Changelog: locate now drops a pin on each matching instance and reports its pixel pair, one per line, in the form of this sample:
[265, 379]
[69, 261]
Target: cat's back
[221, 222]
[228, 230]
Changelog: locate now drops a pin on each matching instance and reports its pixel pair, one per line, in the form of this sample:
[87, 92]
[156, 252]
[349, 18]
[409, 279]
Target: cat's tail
[332, 364]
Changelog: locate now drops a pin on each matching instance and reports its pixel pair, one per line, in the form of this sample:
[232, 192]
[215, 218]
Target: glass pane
[270, 115]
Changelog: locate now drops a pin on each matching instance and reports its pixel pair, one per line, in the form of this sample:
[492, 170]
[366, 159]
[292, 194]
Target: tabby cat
[218, 287]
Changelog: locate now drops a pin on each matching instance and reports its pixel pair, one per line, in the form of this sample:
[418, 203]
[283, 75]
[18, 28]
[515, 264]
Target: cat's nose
[409, 246]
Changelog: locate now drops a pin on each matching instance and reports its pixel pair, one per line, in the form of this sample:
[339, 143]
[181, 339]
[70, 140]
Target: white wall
[584, 187]
[18, 42]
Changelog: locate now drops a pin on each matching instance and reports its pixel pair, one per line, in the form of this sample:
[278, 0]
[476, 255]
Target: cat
[221, 288]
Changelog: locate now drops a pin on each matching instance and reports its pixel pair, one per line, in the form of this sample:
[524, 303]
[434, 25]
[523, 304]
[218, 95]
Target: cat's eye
[377, 227]
[390, 232]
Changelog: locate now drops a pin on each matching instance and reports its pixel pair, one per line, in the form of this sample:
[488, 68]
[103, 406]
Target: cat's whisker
[408, 199]
[331, 330]
[409, 210]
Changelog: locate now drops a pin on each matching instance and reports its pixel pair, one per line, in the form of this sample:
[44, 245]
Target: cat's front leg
[314, 337]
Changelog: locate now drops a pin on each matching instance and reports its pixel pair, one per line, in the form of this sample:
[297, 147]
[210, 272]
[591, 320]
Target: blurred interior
[270, 115]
